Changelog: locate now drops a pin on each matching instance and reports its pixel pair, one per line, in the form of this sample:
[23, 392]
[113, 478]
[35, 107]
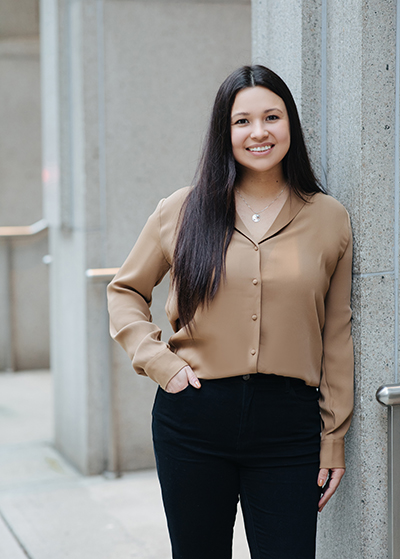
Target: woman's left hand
[335, 475]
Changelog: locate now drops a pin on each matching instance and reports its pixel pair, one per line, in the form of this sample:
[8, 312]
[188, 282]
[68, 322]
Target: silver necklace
[257, 215]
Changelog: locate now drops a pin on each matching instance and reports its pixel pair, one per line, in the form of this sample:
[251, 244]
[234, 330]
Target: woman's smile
[260, 149]
[260, 130]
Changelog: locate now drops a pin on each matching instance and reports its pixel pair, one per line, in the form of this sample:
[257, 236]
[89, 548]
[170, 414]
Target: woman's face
[260, 129]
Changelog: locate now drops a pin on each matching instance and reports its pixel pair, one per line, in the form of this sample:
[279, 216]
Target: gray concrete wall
[342, 69]
[20, 185]
[127, 90]
[19, 19]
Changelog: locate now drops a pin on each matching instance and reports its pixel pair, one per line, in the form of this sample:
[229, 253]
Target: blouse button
[253, 351]
[254, 317]
[255, 248]
[255, 281]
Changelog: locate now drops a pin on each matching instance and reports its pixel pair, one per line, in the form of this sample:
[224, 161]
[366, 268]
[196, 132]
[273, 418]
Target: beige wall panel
[19, 18]
[31, 303]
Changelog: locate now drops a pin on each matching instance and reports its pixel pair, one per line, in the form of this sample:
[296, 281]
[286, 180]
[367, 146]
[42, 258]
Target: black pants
[254, 437]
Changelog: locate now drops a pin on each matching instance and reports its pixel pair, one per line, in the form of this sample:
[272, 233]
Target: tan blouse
[283, 308]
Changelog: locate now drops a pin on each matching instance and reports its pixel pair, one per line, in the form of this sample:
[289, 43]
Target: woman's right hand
[181, 380]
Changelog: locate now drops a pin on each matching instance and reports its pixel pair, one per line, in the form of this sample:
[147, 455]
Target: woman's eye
[272, 117]
[241, 121]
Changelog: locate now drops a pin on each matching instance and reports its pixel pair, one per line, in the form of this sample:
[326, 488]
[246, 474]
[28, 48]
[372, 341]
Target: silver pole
[10, 342]
[394, 482]
[389, 396]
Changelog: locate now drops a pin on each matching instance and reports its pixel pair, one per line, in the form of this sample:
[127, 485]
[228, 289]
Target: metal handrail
[101, 274]
[23, 230]
[7, 234]
[389, 395]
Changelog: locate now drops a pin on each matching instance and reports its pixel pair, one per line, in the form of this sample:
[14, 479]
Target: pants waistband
[267, 379]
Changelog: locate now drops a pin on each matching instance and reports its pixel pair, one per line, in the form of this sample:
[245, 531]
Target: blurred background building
[103, 107]
[24, 325]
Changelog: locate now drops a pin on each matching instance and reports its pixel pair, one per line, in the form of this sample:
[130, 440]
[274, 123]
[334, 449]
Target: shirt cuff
[163, 366]
[332, 454]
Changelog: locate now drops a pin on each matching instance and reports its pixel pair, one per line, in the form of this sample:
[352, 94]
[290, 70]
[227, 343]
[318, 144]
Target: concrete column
[341, 64]
[127, 88]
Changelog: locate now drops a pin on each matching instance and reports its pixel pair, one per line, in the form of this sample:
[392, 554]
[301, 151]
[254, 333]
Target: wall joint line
[397, 194]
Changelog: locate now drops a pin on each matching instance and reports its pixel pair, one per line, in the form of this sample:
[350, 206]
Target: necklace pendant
[256, 218]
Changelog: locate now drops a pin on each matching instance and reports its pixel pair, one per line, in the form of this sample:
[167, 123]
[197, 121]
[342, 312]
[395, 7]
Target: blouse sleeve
[336, 388]
[129, 300]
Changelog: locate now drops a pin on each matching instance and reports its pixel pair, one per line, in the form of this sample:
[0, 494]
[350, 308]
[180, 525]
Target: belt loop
[287, 384]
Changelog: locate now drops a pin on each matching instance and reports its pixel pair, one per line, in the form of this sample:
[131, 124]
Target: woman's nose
[259, 131]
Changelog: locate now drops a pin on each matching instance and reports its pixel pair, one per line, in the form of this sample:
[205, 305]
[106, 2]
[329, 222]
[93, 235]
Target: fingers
[335, 477]
[193, 380]
[180, 381]
[322, 476]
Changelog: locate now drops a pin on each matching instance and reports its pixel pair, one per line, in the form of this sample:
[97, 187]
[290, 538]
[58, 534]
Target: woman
[261, 356]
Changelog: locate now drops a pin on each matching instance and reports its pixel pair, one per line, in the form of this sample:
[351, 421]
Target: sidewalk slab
[26, 407]
[25, 465]
[9, 547]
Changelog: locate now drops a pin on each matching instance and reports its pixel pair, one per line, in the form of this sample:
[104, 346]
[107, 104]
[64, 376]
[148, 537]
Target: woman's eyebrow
[265, 112]
[240, 114]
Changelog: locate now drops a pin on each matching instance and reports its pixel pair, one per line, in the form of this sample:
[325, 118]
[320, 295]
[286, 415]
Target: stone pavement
[49, 511]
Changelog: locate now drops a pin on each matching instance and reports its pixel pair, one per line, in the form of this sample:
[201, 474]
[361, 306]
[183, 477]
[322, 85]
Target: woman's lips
[260, 149]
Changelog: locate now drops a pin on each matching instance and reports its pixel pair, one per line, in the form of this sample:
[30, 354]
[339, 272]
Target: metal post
[389, 395]
[394, 495]
[105, 275]
[10, 344]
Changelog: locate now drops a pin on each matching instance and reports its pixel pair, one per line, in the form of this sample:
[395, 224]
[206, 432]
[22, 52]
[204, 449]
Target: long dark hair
[208, 215]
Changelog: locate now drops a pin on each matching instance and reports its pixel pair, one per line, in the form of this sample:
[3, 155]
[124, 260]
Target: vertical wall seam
[324, 94]
[67, 208]
[101, 130]
[396, 192]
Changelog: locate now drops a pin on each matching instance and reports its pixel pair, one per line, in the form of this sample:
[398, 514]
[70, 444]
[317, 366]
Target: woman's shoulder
[178, 197]
[172, 204]
[327, 207]
[167, 215]
[330, 221]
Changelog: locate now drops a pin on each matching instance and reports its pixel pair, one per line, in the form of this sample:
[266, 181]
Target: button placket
[256, 281]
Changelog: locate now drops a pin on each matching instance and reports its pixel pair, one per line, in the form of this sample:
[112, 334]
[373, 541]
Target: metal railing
[8, 233]
[105, 275]
[389, 395]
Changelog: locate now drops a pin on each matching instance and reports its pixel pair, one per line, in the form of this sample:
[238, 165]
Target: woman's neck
[260, 185]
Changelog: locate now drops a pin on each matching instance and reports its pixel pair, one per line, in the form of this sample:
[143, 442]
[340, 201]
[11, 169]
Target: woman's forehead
[256, 98]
